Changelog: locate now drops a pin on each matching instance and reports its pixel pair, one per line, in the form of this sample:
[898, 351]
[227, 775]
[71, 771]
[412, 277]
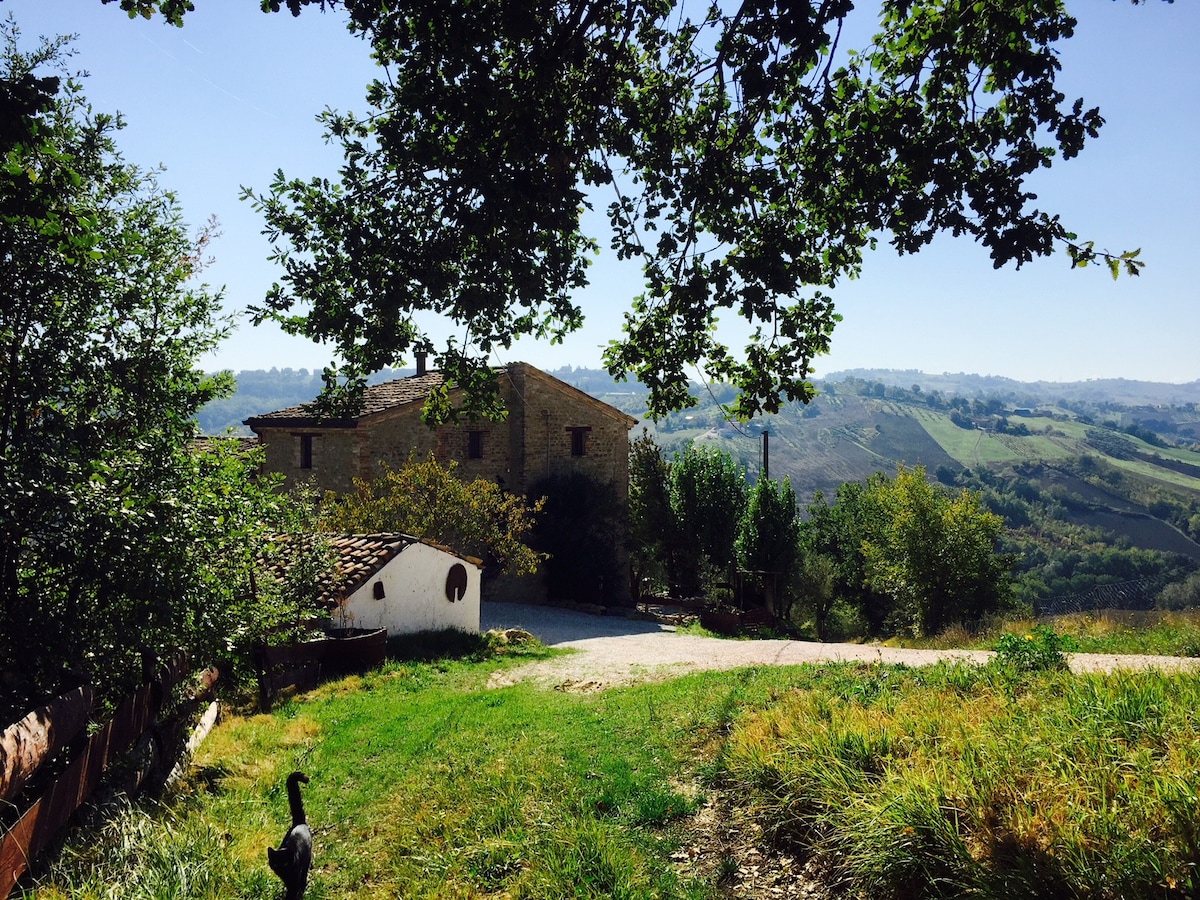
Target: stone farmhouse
[552, 428]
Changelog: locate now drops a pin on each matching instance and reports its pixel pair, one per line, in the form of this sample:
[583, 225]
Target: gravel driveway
[615, 650]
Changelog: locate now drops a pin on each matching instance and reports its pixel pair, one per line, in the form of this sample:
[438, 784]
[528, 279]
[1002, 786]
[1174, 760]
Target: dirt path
[615, 650]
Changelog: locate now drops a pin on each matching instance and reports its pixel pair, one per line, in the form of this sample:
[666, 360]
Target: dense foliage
[933, 554]
[653, 528]
[908, 555]
[119, 540]
[746, 156]
[708, 498]
[124, 540]
[767, 541]
[581, 530]
[428, 500]
[834, 533]
[902, 554]
[1040, 650]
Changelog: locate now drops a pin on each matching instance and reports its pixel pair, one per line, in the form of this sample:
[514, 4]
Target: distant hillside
[1095, 467]
[1121, 391]
[1099, 481]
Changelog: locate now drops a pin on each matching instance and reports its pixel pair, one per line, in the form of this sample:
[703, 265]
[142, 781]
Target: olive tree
[935, 554]
[654, 533]
[708, 497]
[428, 500]
[767, 541]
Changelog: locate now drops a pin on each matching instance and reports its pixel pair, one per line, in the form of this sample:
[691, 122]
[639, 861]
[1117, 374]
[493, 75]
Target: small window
[579, 435]
[306, 447]
[474, 445]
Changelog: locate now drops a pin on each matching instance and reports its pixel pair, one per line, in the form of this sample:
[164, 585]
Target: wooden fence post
[39, 823]
[26, 744]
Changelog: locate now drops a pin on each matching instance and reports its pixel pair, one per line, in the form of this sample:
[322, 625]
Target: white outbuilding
[403, 584]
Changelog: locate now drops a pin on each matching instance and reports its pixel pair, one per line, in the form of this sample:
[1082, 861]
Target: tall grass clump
[961, 782]
[1147, 632]
[149, 852]
[1040, 650]
[1153, 632]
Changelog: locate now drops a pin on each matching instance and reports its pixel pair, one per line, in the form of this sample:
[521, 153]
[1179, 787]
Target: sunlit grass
[424, 783]
[961, 781]
[940, 781]
[1154, 633]
[1159, 633]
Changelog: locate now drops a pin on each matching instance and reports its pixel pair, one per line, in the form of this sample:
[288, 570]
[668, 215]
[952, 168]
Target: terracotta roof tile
[360, 557]
[206, 442]
[376, 398]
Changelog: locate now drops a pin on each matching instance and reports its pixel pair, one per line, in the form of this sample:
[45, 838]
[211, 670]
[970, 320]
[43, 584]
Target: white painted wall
[414, 587]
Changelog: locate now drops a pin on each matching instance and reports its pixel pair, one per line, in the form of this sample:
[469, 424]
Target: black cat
[291, 861]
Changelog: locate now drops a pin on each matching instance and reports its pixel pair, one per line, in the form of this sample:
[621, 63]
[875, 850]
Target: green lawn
[426, 783]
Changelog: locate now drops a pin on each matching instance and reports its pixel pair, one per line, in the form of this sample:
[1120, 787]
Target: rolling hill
[1098, 463]
[1093, 461]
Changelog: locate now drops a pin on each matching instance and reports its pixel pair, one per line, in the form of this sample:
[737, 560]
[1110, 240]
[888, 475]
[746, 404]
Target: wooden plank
[38, 825]
[26, 744]
[304, 676]
[131, 719]
[207, 681]
[49, 813]
[291, 654]
[14, 848]
[301, 664]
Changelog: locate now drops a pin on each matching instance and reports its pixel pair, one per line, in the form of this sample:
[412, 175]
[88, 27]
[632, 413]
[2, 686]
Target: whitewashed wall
[414, 588]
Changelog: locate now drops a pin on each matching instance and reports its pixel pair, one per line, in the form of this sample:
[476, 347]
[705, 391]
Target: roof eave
[254, 423]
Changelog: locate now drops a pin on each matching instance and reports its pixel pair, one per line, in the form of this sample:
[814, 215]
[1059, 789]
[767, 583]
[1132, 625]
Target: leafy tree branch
[753, 160]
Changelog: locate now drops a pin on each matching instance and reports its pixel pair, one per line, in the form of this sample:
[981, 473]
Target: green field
[949, 780]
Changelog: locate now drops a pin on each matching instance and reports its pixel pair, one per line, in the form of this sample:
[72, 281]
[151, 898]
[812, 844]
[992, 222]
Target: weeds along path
[615, 650]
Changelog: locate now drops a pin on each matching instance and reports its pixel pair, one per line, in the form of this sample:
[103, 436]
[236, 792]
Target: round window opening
[456, 582]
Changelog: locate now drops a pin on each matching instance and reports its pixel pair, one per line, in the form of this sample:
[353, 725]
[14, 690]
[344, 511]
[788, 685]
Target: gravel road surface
[616, 650]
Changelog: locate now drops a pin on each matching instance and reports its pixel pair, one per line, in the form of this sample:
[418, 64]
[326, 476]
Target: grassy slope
[428, 784]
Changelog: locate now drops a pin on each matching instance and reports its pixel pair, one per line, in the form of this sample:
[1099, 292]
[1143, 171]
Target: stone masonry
[551, 428]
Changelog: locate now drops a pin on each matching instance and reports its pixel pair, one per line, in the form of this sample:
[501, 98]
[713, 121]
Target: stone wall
[551, 411]
[334, 456]
[535, 441]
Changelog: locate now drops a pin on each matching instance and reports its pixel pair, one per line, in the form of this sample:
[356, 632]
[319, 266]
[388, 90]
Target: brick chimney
[420, 355]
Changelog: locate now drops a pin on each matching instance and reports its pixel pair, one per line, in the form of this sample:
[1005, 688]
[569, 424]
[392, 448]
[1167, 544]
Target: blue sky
[233, 96]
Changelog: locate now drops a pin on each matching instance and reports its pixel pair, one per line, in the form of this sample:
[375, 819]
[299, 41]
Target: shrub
[428, 500]
[1041, 650]
[580, 532]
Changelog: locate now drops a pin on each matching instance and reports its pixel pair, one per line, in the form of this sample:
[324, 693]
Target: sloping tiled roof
[203, 443]
[376, 398]
[413, 389]
[360, 557]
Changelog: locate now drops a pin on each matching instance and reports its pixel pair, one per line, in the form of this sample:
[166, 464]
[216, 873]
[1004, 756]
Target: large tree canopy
[747, 157]
[118, 537]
